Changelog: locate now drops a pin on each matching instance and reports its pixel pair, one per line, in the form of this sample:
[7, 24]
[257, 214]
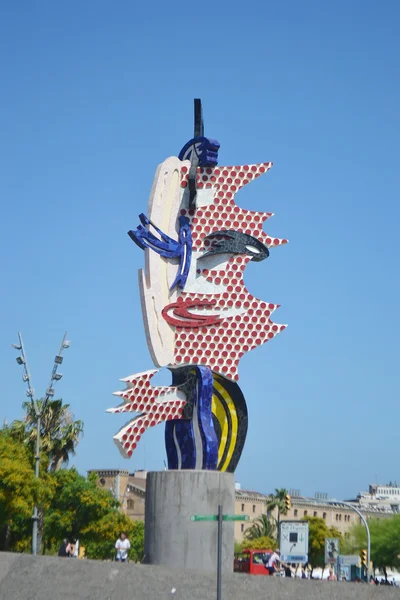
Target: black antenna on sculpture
[194, 158]
[200, 151]
[198, 119]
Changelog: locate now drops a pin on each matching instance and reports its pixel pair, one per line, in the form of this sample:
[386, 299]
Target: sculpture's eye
[253, 249]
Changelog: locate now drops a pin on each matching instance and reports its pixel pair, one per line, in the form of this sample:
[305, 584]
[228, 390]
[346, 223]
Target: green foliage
[318, 531]
[19, 490]
[78, 504]
[355, 541]
[261, 527]
[107, 532]
[73, 506]
[261, 543]
[385, 541]
[81, 510]
[59, 433]
[277, 501]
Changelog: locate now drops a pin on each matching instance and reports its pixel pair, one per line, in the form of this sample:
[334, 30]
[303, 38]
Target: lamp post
[364, 521]
[39, 411]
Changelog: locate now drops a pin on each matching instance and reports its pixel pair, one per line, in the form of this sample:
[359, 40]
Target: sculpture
[199, 317]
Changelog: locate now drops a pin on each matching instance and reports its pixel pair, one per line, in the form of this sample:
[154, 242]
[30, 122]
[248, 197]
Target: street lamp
[364, 521]
[39, 410]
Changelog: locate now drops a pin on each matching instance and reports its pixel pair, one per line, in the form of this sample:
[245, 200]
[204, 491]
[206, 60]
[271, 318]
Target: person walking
[122, 545]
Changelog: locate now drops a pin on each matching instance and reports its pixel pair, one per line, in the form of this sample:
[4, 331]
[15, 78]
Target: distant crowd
[382, 581]
[71, 549]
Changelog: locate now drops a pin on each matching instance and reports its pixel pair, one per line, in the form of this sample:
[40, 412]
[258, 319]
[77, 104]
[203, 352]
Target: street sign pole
[220, 517]
[219, 554]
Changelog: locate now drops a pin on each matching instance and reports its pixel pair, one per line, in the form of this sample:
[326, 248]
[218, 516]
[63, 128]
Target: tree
[261, 543]
[317, 532]
[261, 527]
[59, 432]
[385, 545]
[19, 490]
[106, 533]
[59, 436]
[81, 510]
[277, 501]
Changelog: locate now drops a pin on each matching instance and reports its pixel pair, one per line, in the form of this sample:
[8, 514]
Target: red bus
[252, 562]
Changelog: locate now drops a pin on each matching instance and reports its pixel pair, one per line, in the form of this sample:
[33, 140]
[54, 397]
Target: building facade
[253, 504]
[380, 502]
[334, 515]
[127, 488]
[380, 496]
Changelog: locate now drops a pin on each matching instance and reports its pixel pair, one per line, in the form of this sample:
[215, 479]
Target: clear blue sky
[94, 95]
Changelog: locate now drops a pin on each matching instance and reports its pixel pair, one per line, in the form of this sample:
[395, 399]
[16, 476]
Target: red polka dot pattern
[156, 404]
[224, 213]
[222, 346]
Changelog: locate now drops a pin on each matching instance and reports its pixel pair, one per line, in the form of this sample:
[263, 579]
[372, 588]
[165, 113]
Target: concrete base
[171, 538]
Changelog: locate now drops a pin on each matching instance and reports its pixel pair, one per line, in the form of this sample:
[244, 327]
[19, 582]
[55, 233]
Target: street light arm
[27, 376]
[53, 378]
[363, 519]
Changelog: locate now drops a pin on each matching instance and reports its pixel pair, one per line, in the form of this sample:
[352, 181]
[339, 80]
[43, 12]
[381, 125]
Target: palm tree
[277, 501]
[261, 527]
[59, 432]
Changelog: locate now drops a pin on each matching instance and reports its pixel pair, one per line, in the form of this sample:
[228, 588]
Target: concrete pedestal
[171, 538]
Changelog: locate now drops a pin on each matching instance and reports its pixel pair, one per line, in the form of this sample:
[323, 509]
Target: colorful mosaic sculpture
[199, 317]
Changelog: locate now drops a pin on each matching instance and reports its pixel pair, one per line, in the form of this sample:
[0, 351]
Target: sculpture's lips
[187, 319]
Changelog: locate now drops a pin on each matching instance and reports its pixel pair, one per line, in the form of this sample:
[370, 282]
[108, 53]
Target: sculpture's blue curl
[166, 246]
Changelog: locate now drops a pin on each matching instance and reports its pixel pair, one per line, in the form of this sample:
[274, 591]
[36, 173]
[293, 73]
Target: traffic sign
[294, 541]
[204, 518]
[332, 549]
[294, 558]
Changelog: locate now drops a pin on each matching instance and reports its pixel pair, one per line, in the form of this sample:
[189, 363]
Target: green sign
[215, 518]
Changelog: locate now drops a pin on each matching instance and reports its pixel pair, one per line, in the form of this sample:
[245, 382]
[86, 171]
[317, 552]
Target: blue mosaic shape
[205, 420]
[166, 246]
[182, 430]
[180, 435]
[206, 150]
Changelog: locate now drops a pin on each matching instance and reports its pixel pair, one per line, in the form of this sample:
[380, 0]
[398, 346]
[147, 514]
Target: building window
[324, 515]
[340, 517]
[254, 508]
[295, 512]
[131, 504]
[315, 513]
[348, 517]
[305, 513]
[337, 517]
[242, 507]
[242, 528]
